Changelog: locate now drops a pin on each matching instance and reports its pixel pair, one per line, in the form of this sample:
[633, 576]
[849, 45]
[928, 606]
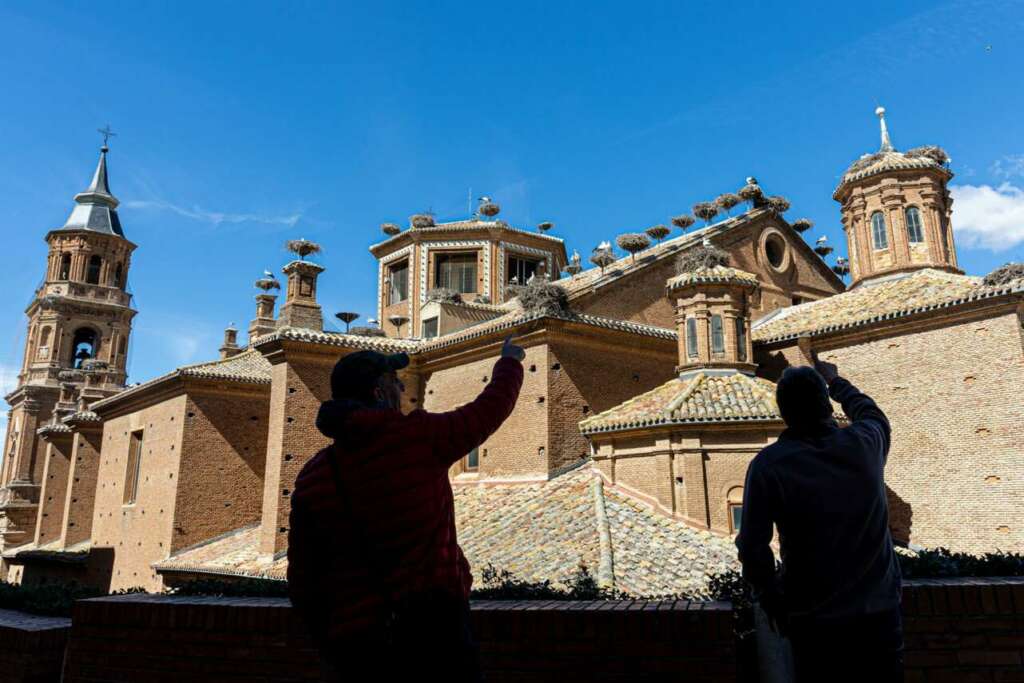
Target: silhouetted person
[373, 563]
[837, 596]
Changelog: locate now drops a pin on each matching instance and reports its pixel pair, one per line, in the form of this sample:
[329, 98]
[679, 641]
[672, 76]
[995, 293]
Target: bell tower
[76, 349]
[896, 210]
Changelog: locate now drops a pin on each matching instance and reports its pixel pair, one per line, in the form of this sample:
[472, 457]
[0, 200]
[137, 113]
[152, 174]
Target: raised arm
[458, 432]
[865, 415]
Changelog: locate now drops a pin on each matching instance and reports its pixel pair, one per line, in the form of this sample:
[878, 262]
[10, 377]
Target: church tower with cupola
[76, 349]
[896, 210]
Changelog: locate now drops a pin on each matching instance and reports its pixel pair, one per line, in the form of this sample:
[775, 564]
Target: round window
[775, 250]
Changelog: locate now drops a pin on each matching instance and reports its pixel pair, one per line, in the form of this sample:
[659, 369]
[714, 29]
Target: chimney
[713, 318]
[300, 308]
[230, 346]
[264, 322]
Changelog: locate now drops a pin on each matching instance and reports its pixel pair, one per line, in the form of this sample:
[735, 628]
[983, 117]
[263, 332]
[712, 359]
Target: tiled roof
[355, 341]
[699, 397]
[81, 416]
[235, 553]
[466, 225]
[880, 162]
[537, 531]
[872, 302]
[586, 280]
[249, 366]
[718, 274]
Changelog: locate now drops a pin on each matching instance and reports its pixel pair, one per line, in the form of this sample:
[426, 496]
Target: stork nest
[421, 220]
[658, 232]
[778, 204]
[802, 224]
[865, 161]
[267, 284]
[750, 192]
[705, 210]
[544, 226]
[1004, 275]
[602, 258]
[633, 242]
[727, 201]
[684, 221]
[933, 152]
[542, 297]
[444, 295]
[701, 256]
[390, 229]
[302, 247]
[489, 209]
[346, 316]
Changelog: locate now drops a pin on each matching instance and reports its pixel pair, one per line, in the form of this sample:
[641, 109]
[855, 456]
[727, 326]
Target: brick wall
[131, 537]
[54, 487]
[31, 647]
[223, 456]
[81, 495]
[953, 397]
[955, 630]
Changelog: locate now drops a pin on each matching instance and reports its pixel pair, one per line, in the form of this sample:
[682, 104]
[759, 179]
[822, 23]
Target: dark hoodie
[343, 579]
[823, 487]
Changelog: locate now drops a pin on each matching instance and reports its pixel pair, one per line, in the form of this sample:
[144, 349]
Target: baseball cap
[355, 375]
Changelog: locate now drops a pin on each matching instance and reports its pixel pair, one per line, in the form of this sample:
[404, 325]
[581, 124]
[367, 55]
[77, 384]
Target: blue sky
[241, 128]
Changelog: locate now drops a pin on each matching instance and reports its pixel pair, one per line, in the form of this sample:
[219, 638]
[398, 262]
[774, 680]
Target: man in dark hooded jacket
[822, 486]
[374, 567]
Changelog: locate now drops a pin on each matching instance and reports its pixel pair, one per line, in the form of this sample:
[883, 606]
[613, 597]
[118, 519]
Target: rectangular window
[456, 271]
[717, 337]
[429, 328]
[398, 282]
[691, 337]
[473, 460]
[521, 268]
[131, 478]
[735, 516]
[741, 339]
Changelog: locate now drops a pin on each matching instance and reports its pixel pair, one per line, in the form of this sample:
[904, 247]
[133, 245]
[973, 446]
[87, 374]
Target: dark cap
[355, 375]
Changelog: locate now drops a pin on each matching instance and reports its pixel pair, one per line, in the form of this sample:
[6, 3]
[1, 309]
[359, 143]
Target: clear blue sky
[242, 125]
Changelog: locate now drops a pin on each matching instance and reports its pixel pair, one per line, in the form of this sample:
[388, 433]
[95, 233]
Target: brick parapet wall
[31, 647]
[955, 630]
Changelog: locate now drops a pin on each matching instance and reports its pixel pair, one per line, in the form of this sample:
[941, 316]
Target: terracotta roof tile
[718, 274]
[700, 397]
[884, 299]
[235, 553]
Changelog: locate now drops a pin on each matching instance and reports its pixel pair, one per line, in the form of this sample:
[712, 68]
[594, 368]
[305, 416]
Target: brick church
[646, 394]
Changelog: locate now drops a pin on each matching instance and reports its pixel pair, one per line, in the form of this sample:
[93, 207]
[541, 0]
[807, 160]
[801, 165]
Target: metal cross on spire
[107, 134]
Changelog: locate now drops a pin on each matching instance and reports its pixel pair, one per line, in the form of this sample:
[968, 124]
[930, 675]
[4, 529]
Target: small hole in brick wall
[992, 479]
[586, 409]
[540, 451]
[1003, 529]
[285, 492]
[190, 415]
[172, 418]
[74, 500]
[227, 505]
[540, 399]
[636, 378]
[679, 480]
[46, 514]
[413, 400]
[556, 366]
[291, 419]
[291, 390]
[485, 453]
[485, 379]
[982, 430]
[288, 456]
[71, 523]
[969, 379]
[283, 529]
[533, 368]
[50, 498]
[77, 479]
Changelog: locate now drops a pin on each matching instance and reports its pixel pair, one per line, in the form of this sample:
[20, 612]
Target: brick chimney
[713, 318]
[300, 308]
[230, 346]
[264, 322]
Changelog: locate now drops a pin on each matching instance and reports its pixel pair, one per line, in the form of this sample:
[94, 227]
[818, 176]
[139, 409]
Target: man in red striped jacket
[374, 567]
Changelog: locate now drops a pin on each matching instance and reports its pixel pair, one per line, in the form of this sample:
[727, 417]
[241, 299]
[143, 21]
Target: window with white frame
[521, 269]
[456, 271]
[398, 282]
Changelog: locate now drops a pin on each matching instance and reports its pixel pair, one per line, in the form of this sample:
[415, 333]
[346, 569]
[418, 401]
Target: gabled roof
[875, 301]
[248, 367]
[694, 398]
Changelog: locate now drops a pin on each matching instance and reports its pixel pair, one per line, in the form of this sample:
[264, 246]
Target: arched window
[691, 337]
[741, 339]
[734, 501]
[118, 274]
[878, 235]
[84, 346]
[92, 273]
[65, 267]
[915, 235]
[717, 335]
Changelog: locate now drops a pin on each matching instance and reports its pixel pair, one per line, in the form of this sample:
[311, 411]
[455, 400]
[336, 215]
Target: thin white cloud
[215, 218]
[989, 217]
[1010, 166]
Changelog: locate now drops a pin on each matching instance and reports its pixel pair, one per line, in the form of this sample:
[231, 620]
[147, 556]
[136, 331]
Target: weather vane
[106, 133]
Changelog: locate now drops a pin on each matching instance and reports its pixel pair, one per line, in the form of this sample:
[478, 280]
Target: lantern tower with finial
[896, 210]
